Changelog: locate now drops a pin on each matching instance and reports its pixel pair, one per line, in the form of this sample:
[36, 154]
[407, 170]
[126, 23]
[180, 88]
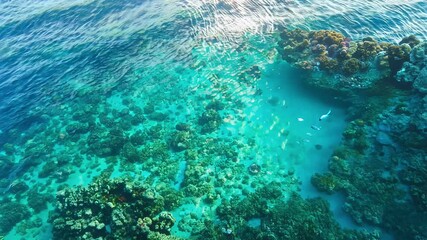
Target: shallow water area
[296, 145]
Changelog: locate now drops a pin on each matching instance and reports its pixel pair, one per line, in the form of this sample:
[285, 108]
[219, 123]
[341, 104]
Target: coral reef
[414, 70]
[210, 120]
[131, 153]
[38, 201]
[294, 218]
[381, 167]
[180, 140]
[117, 209]
[333, 61]
[397, 55]
[11, 214]
[326, 182]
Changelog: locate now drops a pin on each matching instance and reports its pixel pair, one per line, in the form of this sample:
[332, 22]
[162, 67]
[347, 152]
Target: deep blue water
[56, 57]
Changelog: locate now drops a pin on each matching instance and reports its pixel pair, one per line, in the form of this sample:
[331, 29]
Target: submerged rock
[420, 82]
[384, 139]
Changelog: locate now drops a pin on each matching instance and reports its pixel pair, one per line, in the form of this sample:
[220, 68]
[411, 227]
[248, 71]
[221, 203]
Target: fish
[300, 119]
[324, 116]
[283, 145]
[284, 103]
[315, 127]
[275, 121]
[282, 132]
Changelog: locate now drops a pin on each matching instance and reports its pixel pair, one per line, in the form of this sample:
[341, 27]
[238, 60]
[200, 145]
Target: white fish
[324, 116]
[284, 103]
[275, 121]
[283, 145]
[300, 119]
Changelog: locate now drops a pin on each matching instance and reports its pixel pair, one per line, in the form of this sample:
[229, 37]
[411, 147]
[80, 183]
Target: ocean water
[193, 99]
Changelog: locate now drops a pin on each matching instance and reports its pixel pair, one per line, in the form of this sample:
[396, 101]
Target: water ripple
[51, 49]
[386, 20]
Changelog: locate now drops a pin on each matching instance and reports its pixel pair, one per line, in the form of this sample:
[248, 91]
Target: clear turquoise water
[62, 61]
